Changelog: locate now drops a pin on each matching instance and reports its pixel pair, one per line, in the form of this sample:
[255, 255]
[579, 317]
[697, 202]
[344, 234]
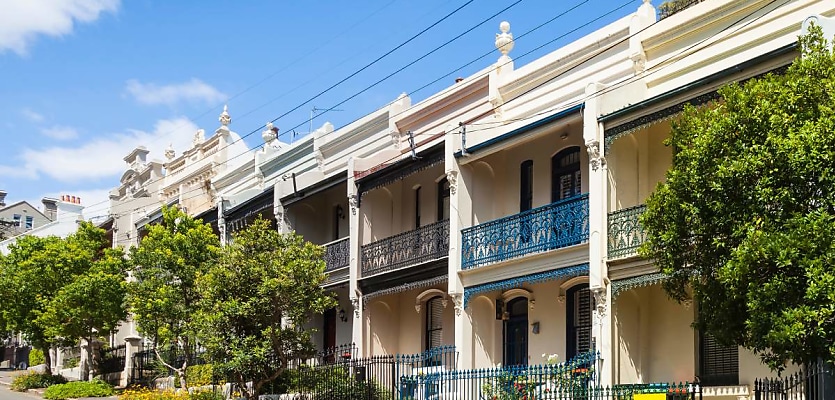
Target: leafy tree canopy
[746, 218]
[39, 270]
[166, 266]
[256, 301]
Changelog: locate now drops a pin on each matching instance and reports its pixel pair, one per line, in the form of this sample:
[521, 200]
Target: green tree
[90, 306]
[256, 302]
[35, 271]
[163, 296]
[746, 218]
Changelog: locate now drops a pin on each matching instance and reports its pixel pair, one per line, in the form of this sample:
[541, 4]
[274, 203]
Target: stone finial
[199, 137]
[169, 151]
[504, 41]
[270, 133]
[224, 118]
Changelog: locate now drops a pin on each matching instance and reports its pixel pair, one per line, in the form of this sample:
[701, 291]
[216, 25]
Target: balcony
[560, 224]
[626, 234]
[337, 259]
[427, 243]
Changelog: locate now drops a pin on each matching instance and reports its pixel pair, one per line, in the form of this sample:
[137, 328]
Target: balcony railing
[426, 243]
[337, 254]
[626, 234]
[559, 224]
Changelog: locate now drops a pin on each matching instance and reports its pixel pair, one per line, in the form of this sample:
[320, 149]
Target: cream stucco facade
[499, 215]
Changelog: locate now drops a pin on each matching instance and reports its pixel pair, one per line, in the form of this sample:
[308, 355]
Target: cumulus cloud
[192, 91]
[21, 22]
[101, 157]
[60, 133]
[31, 115]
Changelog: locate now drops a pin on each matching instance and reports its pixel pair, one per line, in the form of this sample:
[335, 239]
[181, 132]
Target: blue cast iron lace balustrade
[337, 254]
[559, 224]
[426, 243]
[626, 234]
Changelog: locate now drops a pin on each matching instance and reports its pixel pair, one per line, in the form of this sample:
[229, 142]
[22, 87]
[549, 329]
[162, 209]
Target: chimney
[2, 198]
[70, 208]
[50, 208]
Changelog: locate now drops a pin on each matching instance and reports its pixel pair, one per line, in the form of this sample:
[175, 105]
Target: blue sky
[82, 82]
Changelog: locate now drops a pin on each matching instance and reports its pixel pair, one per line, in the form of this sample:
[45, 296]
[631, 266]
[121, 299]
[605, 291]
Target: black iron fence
[147, 367]
[342, 376]
[812, 382]
[112, 360]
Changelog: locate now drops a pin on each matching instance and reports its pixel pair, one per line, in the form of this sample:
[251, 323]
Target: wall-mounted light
[535, 328]
[340, 213]
[342, 315]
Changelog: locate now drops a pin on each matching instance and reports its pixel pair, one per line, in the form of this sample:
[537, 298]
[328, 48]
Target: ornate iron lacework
[242, 222]
[559, 224]
[670, 112]
[626, 234]
[423, 244]
[337, 254]
[397, 173]
[556, 274]
[404, 288]
[623, 285]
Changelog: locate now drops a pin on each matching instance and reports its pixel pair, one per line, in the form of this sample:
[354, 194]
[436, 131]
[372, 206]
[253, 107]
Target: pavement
[6, 377]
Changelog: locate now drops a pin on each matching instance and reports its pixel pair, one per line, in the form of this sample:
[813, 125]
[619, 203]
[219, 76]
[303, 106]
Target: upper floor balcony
[424, 244]
[560, 224]
[626, 234]
[337, 260]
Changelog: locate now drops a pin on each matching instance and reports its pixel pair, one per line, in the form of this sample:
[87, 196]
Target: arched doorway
[516, 332]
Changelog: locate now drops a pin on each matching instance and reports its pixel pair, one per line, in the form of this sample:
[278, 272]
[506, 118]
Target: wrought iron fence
[147, 366]
[559, 224]
[371, 378]
[813, 382]
[112, 360]
[626, 233]
[337, 254]
[429, 242]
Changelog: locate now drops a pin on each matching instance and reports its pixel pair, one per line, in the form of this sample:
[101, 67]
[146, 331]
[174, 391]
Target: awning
[388, 174]
[555, 274]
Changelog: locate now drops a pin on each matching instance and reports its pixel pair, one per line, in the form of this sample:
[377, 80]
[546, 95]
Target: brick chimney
[2, 198]
[70, 208]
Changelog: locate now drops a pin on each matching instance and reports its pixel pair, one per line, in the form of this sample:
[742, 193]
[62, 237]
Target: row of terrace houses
[500, 215]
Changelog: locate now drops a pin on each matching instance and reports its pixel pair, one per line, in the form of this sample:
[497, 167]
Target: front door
[516, 332]
[329, 331]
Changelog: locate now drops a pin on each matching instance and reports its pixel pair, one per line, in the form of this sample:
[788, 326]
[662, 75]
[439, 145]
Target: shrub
[149, 394]
[79, 389]
[200, 375]
[36, 357]
[34, 380]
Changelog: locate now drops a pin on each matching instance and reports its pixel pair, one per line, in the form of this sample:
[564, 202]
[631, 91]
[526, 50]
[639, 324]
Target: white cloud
[101, 157]
[21, 22]
[31, 115]
[193, 91]
[60, 132]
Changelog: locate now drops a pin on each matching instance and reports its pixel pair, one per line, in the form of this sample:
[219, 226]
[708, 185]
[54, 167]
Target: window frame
[443, 193]
[526, 185]
[573, 169]
[428, 328]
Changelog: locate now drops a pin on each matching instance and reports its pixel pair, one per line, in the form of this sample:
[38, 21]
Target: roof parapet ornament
[169, 151]
[504, 42]
[225, 119]
[270, 133]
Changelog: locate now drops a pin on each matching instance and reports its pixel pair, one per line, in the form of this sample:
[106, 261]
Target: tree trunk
[47, 360]
[181, 373]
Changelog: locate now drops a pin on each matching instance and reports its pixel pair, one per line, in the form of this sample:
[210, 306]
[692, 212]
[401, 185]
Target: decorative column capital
[355, 303]
[353, 202]
[596, 160]
[452, 178]
[458, 301]
[600, 304]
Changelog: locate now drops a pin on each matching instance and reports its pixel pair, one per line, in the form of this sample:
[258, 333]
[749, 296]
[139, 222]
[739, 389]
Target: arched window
[578, 321]
[566, 180]
[434, 322]
[516, 332]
